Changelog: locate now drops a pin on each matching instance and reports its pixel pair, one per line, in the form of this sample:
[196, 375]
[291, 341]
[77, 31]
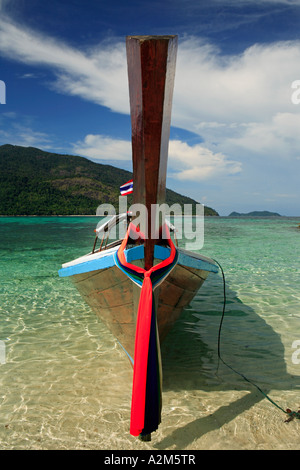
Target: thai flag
[126, 188]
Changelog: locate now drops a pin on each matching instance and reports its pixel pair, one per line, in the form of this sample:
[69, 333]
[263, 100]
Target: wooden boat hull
[114, 297]
[122, 283]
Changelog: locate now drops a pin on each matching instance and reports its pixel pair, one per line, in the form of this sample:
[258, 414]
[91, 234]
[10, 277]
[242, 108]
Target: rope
[291, 414]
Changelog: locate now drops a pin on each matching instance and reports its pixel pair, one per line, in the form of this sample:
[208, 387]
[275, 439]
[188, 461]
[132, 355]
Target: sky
[235, 129]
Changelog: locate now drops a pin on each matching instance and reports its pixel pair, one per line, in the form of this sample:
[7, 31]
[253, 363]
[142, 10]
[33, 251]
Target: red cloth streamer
[143, 327]
[141, 358]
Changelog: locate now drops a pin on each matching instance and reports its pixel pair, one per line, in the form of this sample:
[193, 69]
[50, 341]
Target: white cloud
[239, 104]
[197, 163]
[250, 87]
[17, 129]
[186, 162]
[209, 87]
[98, 75]
[99, 147]
[23, 135]
[279, 137]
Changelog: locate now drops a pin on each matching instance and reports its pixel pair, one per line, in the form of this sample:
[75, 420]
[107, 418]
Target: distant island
[35, 182]
[255, 214]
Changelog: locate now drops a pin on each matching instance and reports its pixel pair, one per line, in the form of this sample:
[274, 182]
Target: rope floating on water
[291, 414]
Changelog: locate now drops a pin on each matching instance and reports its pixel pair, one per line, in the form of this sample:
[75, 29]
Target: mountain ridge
[255, 214]
[36, 182]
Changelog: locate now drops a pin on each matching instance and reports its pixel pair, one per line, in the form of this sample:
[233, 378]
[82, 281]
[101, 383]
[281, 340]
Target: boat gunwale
[105, 259]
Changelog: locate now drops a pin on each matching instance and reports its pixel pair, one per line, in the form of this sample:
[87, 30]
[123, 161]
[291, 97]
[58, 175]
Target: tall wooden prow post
[151, 70]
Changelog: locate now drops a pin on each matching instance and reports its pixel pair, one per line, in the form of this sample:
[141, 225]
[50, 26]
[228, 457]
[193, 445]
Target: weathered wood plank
[151, 70]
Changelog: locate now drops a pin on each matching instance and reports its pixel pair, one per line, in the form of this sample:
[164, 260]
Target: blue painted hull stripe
[133, 254]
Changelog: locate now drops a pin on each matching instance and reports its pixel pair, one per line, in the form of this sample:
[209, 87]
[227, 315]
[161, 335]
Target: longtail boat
[139, 284]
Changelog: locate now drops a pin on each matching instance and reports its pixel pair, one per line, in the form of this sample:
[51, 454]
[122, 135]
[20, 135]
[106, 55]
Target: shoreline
[182, 215]
[94, 215]
[57, 215]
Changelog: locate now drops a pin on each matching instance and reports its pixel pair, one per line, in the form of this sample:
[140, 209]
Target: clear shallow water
[66, 384]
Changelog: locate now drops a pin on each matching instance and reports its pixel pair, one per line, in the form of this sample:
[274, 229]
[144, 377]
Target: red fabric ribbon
[143, 327]
[142, 337]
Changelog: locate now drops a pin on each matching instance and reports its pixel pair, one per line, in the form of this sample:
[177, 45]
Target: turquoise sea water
[66, 384]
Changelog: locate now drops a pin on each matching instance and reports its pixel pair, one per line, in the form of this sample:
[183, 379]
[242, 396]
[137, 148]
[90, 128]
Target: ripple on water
[66, 383]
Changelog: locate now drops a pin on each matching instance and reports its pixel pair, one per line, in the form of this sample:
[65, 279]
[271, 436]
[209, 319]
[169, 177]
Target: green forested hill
[35, 182]
[255, 214]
